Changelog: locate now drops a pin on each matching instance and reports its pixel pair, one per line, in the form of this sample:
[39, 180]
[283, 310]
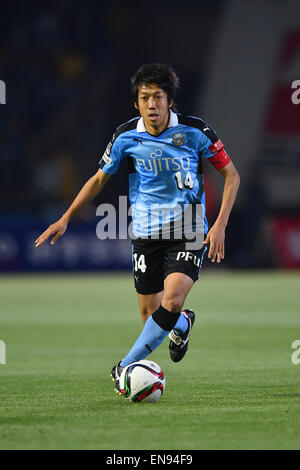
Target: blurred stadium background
[67, 69]
[67, 66]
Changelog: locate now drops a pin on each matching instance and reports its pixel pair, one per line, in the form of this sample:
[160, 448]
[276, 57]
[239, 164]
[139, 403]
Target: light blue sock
[181, 325]
[151, 337]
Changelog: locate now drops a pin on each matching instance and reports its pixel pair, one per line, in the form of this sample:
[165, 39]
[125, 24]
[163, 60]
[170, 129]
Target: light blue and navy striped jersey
[165, 172]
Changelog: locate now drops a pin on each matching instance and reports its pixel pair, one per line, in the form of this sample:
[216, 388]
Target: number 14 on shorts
[139, 263]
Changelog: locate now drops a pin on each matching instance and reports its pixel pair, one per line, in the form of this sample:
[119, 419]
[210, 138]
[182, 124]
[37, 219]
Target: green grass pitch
[237, 387]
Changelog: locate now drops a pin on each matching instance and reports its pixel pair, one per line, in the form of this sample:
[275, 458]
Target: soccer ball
[142, 381]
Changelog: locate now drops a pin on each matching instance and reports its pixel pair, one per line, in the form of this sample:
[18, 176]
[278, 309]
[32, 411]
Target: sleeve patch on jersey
[106, 156]
[106, 159]
[101, 163]
[220, 160]
[216, 147]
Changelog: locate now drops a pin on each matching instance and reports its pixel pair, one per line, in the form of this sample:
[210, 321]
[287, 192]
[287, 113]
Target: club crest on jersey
[178, 139]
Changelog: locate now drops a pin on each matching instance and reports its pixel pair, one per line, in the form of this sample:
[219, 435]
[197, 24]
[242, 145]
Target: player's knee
[173, 302]
[145, 314]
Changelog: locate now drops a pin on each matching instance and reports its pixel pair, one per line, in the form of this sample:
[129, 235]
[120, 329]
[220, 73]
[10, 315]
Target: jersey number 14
[139, 263]
[188, 180]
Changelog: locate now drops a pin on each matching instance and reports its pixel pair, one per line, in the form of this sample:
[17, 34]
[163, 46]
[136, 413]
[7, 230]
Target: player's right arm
[88, 192]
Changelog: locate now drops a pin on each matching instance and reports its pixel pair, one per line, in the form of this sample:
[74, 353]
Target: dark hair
[162, 75]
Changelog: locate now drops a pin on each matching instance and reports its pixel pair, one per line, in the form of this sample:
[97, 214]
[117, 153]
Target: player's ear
[136, 105]
[170, 103]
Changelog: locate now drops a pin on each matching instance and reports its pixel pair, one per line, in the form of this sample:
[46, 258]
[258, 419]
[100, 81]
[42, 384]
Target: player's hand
[216, 240]
[57, 229]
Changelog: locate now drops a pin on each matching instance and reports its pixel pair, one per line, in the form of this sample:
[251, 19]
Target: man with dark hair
[164, 152]
[162, 74]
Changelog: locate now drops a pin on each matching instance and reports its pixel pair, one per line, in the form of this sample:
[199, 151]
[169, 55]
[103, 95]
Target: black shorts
[153, 261]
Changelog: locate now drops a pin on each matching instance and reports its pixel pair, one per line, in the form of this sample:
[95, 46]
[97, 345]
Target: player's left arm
[216, 235]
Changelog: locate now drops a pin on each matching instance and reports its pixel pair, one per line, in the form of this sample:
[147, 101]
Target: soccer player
[164, 151]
